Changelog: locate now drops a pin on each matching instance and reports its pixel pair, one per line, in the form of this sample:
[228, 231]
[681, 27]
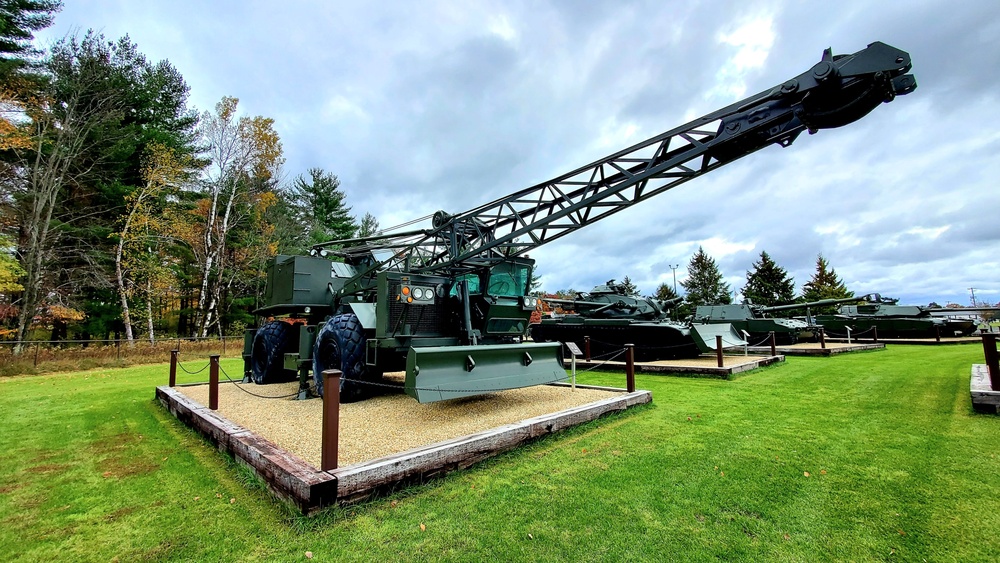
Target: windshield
[509, 280]
[473, 280]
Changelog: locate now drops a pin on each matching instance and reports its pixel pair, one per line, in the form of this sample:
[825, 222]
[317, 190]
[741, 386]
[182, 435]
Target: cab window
[509, 280]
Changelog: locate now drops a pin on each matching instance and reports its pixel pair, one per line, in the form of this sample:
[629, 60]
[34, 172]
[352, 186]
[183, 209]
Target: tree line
[767, 284]
[123, 209]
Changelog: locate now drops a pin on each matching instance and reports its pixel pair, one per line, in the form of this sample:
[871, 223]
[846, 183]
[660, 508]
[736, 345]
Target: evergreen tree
[368, 227]
[704, 283]
[665, 292]
[628, 287]
[19, 19]
[768, 284]
[825, 284]
[322, 207]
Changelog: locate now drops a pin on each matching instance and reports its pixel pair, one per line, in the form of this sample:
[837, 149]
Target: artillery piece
[611, 319]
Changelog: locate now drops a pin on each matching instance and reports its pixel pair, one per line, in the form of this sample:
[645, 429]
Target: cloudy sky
[420, 106]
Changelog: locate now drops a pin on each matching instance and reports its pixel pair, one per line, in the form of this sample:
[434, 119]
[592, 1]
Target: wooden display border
[309, 489]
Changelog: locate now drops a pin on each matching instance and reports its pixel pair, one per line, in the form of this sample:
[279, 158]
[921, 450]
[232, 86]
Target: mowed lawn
[868, 456]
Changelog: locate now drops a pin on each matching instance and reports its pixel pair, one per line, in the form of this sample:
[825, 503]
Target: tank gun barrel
[819, 303]
[589, 305]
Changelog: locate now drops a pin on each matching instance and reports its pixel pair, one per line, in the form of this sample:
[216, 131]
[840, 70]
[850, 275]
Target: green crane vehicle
[449, 303]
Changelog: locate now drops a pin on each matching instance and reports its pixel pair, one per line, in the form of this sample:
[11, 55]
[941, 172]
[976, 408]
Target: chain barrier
[851, 334]
[185, 370]
[761, 343]
[240, 387]
[611, 359]
[312, 388]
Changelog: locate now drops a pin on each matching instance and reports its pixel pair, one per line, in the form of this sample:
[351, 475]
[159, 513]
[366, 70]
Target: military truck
[449, 303]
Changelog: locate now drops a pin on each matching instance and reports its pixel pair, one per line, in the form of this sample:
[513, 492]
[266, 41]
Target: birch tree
[164, 171]
[245, 155]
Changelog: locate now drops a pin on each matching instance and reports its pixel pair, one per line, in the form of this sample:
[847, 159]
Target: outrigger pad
[704, 336]
[436, 373]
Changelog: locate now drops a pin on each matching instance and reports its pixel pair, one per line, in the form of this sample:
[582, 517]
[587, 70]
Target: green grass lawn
[869, 456]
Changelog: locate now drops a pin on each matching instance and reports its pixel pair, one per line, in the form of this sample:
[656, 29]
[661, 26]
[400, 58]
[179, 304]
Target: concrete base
[309, 489]
[984, 398]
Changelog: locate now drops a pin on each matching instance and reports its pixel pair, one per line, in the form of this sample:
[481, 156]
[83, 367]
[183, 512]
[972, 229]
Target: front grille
[424, 320]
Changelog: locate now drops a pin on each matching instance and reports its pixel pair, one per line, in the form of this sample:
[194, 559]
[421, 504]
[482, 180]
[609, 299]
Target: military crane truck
[449, 303]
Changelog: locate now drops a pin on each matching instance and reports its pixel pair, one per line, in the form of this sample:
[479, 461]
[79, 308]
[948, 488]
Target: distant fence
[63, 355]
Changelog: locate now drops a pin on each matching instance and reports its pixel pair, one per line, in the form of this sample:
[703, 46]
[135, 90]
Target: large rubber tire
[267, 356]
[340, 344]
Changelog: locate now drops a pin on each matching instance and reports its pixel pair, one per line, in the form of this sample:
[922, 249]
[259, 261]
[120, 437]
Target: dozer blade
[704, 336]
[447, 372]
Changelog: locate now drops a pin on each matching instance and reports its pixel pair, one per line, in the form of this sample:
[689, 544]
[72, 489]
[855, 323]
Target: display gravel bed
[384, 425]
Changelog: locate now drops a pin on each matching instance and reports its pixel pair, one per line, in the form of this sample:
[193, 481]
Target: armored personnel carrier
[612, 319]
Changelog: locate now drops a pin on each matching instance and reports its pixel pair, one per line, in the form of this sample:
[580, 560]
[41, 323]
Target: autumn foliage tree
[245, 157]
[143, 228]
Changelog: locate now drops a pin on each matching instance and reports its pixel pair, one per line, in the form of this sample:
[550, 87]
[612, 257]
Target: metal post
[718, 349]
[331, 418]
[774, 349]
[937, 333]
[36, 354]
[822, 338]
[213, 382]
[992, 360]
[586, 348]
[303, 383]
[630, 367]
[173, 368]
[875, 329]
[572, 363]
[848, 335]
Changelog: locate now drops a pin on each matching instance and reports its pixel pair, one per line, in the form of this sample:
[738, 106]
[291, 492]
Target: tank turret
[611, 318]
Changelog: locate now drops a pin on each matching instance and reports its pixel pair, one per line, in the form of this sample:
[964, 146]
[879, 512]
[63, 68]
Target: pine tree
[19, 19]
[322, 207]
[768, 284]
[825, 284]
[704, 283]
[369, 226]
[665, 292]
[629, 288]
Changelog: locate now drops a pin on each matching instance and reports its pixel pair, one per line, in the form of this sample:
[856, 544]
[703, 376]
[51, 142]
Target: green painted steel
[448, 372]
[704, 336]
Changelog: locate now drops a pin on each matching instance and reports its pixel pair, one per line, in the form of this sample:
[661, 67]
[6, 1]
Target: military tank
[611, 319]
[756, 321]
[895, 321]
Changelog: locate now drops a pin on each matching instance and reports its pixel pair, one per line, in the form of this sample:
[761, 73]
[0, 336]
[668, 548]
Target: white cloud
[753, 41]
[501, 27]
